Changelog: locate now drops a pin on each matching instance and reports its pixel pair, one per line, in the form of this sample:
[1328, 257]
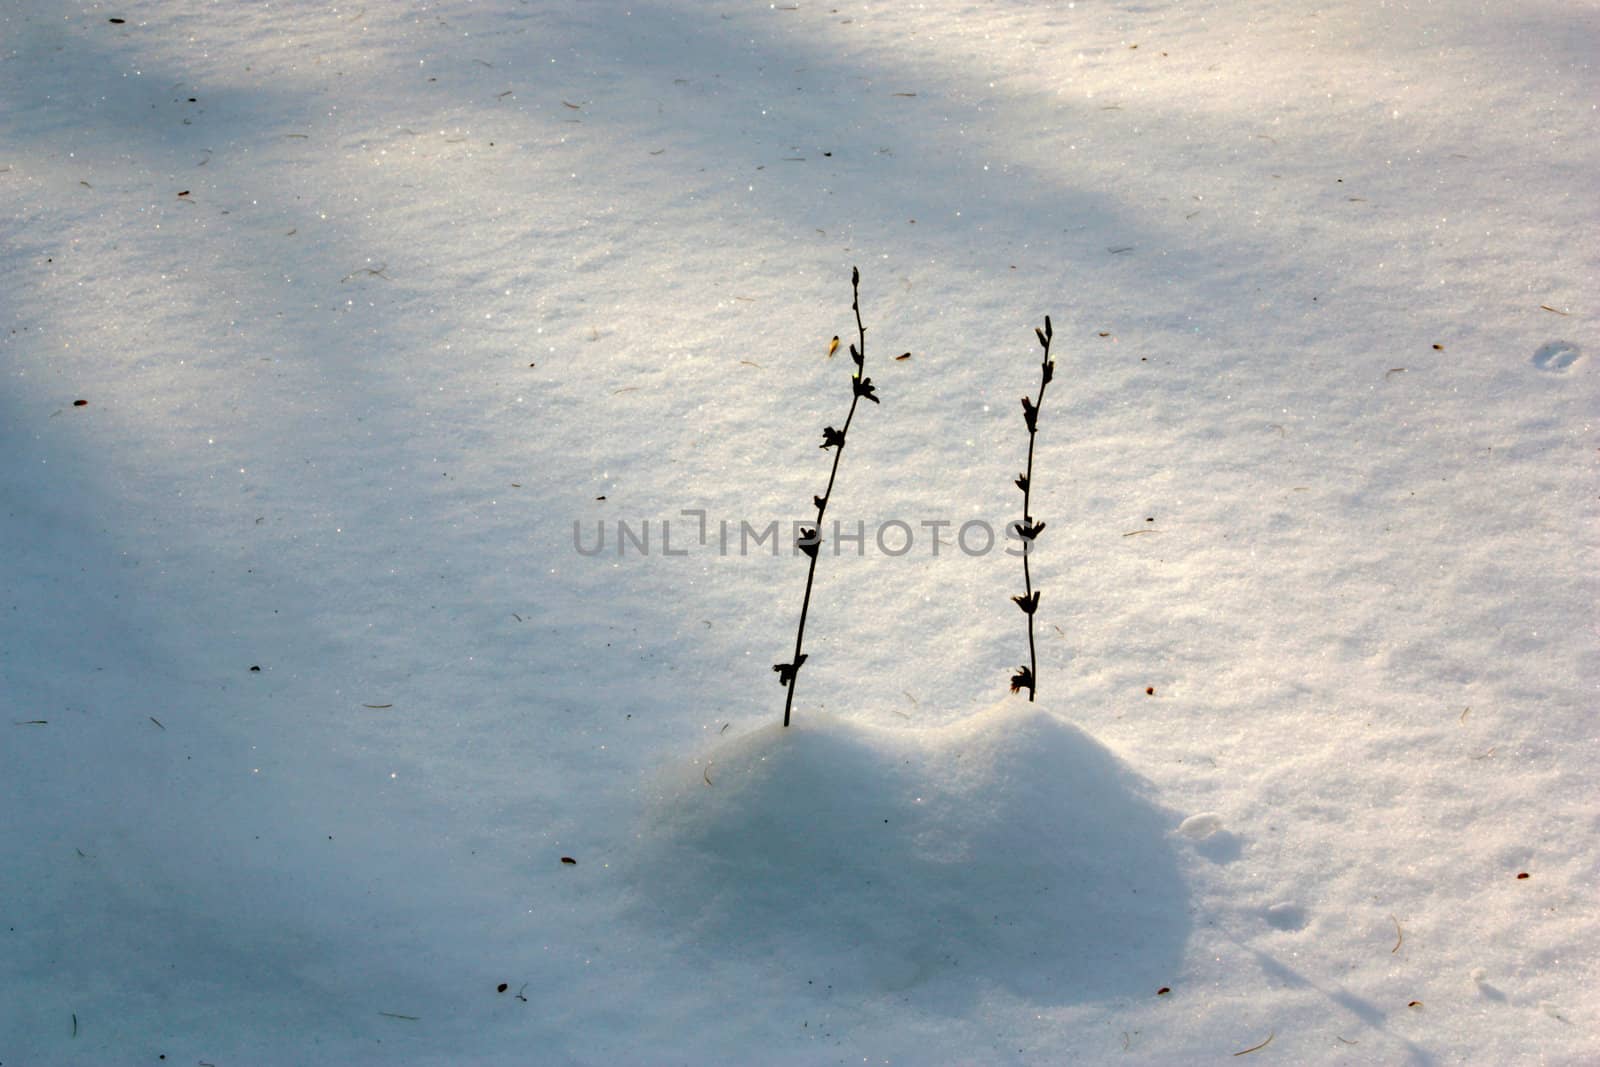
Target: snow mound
[1008, 850]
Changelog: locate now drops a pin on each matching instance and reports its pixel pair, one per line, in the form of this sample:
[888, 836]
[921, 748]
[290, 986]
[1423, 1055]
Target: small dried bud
[1028, 604]
[1023, 679]
[808, 542]
[786, 671]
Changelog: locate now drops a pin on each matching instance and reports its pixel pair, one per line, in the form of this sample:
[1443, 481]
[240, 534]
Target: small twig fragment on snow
[371, 272]
[1257, 1048]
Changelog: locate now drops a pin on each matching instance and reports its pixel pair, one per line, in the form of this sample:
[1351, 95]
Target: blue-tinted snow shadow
[1368, 1013]
[185, 843]
[137, 892]
[1010, 851]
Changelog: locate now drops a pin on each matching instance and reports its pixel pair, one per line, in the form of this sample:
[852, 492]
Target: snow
[370, 304]
[973, 857]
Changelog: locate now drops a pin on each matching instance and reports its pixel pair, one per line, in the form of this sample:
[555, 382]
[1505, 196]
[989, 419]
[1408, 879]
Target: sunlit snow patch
[1010, 849]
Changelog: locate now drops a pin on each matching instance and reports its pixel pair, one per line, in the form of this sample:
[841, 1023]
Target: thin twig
[1257, 1048]
[1399, 935]
[371, 272]
[810, 541]
[1028, 677]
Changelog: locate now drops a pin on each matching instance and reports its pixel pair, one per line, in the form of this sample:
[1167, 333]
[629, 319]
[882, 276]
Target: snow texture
[1006, 851]
[322, 325]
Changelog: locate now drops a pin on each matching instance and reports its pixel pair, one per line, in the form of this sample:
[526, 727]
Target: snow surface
[369, 303]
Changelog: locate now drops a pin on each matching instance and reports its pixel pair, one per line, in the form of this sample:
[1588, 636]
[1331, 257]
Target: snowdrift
[1009, 849]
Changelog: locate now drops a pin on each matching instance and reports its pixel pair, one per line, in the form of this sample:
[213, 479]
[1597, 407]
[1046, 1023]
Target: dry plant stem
[861, 386]
[1027, 528]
